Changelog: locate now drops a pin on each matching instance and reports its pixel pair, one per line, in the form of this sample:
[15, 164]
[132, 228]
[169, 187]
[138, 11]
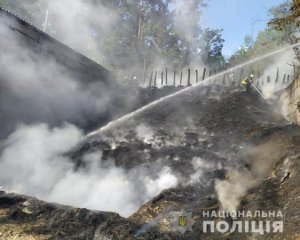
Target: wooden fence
[191, 76]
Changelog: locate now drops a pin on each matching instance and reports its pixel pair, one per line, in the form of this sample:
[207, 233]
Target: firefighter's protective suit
[246, 83]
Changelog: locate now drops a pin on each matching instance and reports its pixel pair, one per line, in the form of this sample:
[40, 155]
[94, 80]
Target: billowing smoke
[144, 133]
[230, 191]
[74, 22]
[33, 162]
[200, 167]
[37, 88]
[278, 75]
[241, 178]
[187, 20]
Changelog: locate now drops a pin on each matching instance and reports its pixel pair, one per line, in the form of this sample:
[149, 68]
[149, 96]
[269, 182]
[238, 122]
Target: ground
[209, 136]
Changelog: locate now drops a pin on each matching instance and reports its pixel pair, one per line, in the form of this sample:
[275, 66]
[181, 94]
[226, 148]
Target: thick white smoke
[241, 179]
[279, 72]
[232, 190]
[144, 133]
[33, 163]
[187, 20]
[201, 166]
[74, 22]
[37, 88]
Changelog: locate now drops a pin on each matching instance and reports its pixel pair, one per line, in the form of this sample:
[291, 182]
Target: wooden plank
[151, 77]
[189, 77]
[204, 72]
[166, 76]
[174, 78]
[277, 75]
[181, 78]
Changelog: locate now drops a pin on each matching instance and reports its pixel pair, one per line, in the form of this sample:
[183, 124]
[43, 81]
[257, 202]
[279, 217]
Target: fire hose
[259, 91]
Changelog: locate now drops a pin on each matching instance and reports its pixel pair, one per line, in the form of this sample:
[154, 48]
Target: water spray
[154, 103]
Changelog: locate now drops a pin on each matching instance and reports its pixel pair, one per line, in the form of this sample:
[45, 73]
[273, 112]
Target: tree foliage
[286, 20]
[287, 16]
[212, 46]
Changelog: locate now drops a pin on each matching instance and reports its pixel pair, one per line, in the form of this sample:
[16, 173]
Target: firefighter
[246, 83]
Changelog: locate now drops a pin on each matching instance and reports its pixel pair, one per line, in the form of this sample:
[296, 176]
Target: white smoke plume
[201, 166]
[281, 65]
[230, 191]
[144, 133]
[74, 22]
[33, 163]
[187, 20]
[37, 88]
[241, 179]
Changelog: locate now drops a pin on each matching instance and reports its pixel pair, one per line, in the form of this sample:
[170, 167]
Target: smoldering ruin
[73, 136]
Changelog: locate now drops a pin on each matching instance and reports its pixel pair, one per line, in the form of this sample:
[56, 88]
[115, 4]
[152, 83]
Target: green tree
[286, 20]
[286, 15]
[211, 48]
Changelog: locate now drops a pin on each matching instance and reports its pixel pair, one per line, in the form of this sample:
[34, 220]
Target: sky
[237, 18]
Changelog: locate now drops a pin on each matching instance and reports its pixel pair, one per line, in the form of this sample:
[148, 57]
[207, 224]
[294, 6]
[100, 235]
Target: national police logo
[182, 221]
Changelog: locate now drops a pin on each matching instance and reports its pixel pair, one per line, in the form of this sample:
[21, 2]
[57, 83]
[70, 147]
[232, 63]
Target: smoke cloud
[33, 163]
[200, 167]
[187, 20]
[278, 73]
[74, 22]
[144, 133]
[241, 178]
[36, 88]
[230, 192]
